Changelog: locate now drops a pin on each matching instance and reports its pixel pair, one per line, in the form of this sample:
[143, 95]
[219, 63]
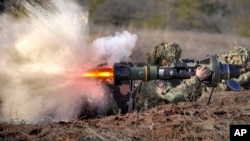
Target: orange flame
[104, 73]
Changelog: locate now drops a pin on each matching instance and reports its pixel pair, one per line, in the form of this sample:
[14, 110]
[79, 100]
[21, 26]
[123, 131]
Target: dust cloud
[42, 51]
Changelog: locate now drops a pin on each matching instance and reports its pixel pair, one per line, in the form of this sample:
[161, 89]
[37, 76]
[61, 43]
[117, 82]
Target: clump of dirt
[177, 121]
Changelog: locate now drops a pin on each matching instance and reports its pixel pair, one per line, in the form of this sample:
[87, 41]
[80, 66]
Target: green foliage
[244, 27]
[241, 17]
[212, 7]
[196, 14]
[184, 8]
[209, 16]
[94, 4]
[118, 13]
[156, 20]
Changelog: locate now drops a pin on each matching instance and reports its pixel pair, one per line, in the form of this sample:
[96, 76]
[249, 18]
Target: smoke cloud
[115, 48]
[41, 47]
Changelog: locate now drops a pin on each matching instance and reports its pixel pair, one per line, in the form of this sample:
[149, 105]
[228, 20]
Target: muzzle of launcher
[99, 73]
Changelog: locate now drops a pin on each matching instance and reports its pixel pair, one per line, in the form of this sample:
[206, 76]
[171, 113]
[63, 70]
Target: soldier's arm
[165, 90]
[189, 87]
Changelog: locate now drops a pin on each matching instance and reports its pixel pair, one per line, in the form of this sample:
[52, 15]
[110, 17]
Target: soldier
[121, 96]
[157, 92]
[240, 56]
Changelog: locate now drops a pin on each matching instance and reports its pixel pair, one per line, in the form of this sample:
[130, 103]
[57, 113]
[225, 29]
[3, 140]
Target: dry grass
[195, 44]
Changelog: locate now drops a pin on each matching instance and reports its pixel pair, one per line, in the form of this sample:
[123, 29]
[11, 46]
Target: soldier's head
[238, 55]
[164, 54]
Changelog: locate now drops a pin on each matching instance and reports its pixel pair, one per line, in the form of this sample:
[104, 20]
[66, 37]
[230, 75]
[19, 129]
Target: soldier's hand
[202, 73]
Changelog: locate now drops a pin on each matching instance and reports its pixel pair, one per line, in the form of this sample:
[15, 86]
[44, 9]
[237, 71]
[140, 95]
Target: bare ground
[182, 121]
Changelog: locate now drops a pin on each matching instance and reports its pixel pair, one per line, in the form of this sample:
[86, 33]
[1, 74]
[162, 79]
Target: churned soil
[183, 121]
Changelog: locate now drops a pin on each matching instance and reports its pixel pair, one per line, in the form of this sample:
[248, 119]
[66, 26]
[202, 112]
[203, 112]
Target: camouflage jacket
[243, 80]
[156, 92]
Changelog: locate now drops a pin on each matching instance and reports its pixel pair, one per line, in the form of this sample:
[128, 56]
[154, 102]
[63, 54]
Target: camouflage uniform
[240, 56]
[156, 92]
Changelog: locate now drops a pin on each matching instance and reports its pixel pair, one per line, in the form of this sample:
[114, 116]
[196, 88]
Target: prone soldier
[156, 92]
[238, 55]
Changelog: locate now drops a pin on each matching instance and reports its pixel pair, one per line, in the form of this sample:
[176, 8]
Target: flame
[104, 73]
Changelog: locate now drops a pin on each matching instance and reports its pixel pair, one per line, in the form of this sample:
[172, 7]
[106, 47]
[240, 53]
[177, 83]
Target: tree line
[217, 16]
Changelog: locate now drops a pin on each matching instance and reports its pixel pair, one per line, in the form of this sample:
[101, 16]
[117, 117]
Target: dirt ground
[182, 121]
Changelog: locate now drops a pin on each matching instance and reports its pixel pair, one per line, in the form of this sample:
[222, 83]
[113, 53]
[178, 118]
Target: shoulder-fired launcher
[182, 70]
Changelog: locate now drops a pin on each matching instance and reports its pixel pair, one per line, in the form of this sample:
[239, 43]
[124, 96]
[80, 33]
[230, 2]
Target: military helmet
[238, 55]
[164, 52]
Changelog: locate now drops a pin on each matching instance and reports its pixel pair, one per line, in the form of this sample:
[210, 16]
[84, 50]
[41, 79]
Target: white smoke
[115, 48]
[38, 51]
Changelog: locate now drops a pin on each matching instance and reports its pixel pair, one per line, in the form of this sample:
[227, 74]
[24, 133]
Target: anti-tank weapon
[182, 70]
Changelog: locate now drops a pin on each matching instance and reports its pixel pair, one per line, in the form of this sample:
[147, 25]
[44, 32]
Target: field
[46, 46]
[182, 121]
